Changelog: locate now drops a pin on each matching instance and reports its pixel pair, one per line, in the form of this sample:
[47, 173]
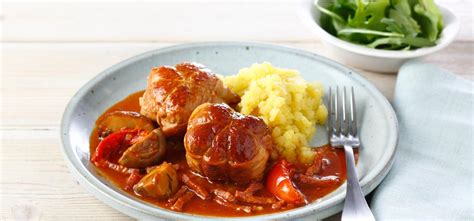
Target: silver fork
[342, 128]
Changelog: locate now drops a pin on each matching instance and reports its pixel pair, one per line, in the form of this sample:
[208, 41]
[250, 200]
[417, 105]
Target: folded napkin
[432, 177]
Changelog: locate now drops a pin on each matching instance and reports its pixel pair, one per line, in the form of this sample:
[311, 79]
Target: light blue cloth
[432, 177]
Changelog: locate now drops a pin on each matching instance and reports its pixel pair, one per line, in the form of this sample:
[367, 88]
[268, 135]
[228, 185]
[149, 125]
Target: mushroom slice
[160, 183]
[119, 120]
[146, 152]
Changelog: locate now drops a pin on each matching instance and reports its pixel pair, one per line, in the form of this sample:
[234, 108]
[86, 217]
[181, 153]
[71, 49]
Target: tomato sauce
[333, 164]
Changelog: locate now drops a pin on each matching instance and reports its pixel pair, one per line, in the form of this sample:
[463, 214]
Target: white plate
[378, 123]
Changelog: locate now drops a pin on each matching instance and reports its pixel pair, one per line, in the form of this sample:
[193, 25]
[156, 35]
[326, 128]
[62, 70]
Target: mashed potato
[288, 104]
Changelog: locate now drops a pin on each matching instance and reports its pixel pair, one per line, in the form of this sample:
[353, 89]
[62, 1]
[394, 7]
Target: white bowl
[378, 60]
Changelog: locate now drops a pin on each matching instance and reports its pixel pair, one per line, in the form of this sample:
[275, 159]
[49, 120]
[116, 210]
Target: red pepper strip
[112, 144]
[133, 179]
[279, 183]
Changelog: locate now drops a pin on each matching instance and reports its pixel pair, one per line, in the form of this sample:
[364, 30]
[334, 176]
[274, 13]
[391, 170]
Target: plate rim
[93, 185]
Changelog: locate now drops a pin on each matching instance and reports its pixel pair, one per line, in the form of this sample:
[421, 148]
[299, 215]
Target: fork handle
[355, 206]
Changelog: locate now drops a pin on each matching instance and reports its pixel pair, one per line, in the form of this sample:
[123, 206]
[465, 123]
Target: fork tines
[342, 122]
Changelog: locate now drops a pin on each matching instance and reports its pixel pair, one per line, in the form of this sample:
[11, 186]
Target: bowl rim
[135, 206]
[453, 25]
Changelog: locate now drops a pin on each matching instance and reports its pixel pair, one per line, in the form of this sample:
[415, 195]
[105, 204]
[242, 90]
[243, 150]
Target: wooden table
[49, 50]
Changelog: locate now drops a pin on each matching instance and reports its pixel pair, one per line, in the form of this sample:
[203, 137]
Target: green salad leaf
[430, 19]
[400, 20]
[369, 15]
[384, 24]
[410, 41]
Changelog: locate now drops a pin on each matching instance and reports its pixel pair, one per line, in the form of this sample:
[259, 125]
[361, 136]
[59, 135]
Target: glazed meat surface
[173, 93]
[225, 145]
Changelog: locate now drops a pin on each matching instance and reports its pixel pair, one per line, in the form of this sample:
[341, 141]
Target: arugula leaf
[331, 14]
[345, 8]
[348, 31]
[330, 21]
[399, 42]
[383, 24]
[400, 20]
[350, 4]
[430, 19]
[369, 15]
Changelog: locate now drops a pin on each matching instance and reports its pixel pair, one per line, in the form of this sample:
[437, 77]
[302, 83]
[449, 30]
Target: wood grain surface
[49, 50]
